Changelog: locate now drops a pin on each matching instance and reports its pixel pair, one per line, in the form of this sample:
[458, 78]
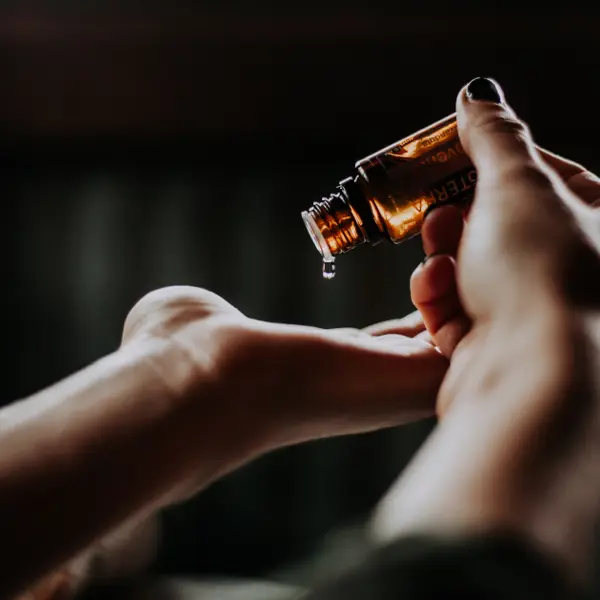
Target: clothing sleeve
[425, 568]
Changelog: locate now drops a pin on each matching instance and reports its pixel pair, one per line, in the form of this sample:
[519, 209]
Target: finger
[335, 385]
[580, 181]
[410, 326]
[502, 149]
[441, 234]
[442, 230]
[519, 219]
[565, 168]
[426, 337]
[489, 130]
[433, 285]
[434, 292]
[374, 382]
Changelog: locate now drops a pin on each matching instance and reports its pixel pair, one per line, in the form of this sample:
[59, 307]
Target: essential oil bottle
[390, 192]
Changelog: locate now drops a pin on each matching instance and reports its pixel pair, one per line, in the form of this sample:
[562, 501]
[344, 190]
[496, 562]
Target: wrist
[166, 365]
[215, 426]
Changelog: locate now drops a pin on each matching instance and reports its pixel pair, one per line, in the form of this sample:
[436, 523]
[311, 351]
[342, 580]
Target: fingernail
[484, 89]
[438, 206]
[430, 209]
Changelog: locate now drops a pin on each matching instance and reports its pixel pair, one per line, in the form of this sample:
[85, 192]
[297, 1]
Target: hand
[532, 240]
[197, 389]
[285, 383]
[514, 300]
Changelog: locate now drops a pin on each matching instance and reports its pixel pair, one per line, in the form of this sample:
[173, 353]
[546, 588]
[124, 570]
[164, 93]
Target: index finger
[584, 183]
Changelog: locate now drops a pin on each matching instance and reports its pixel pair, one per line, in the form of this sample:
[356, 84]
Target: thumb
[490, 131]
[520, 214]
[501, 146]
[502, 149]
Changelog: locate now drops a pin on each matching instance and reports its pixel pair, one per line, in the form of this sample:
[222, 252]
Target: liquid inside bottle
[391, 191]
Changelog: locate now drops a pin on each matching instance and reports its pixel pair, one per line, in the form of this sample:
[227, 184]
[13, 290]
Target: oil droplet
[329, 269]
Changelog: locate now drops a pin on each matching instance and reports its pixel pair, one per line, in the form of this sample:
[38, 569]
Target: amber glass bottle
[391, 190]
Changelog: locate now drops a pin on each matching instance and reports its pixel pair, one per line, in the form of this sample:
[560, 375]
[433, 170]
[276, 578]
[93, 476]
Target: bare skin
[195, 390]
[513, 297]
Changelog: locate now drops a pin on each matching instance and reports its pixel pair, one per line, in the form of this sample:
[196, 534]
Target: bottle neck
[341, 221]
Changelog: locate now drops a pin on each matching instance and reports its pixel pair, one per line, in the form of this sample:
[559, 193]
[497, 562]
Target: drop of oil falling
[329, 269]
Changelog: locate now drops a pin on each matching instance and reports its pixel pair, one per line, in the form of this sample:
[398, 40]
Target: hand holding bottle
[532, 238]
[514, 300]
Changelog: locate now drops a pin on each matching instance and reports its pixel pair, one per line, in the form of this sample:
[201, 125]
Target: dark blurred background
[147, 143]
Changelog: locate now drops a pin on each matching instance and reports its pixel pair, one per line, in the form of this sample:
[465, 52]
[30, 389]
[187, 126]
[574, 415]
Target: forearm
[118, 557]
[125, 552]
[114, 442]
[514, 456]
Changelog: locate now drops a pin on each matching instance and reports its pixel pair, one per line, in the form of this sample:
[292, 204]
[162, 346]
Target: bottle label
[423, 142]
[457, 188]
[404, 180]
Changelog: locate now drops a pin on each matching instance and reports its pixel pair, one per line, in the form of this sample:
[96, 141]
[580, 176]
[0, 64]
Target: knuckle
[527, 176]
[498, 122]
[520, 177]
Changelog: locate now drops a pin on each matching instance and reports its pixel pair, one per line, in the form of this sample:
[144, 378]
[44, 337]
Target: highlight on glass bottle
[390, 192]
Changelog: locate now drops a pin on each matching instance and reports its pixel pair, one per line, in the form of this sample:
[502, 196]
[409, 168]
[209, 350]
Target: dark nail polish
[484, 89]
